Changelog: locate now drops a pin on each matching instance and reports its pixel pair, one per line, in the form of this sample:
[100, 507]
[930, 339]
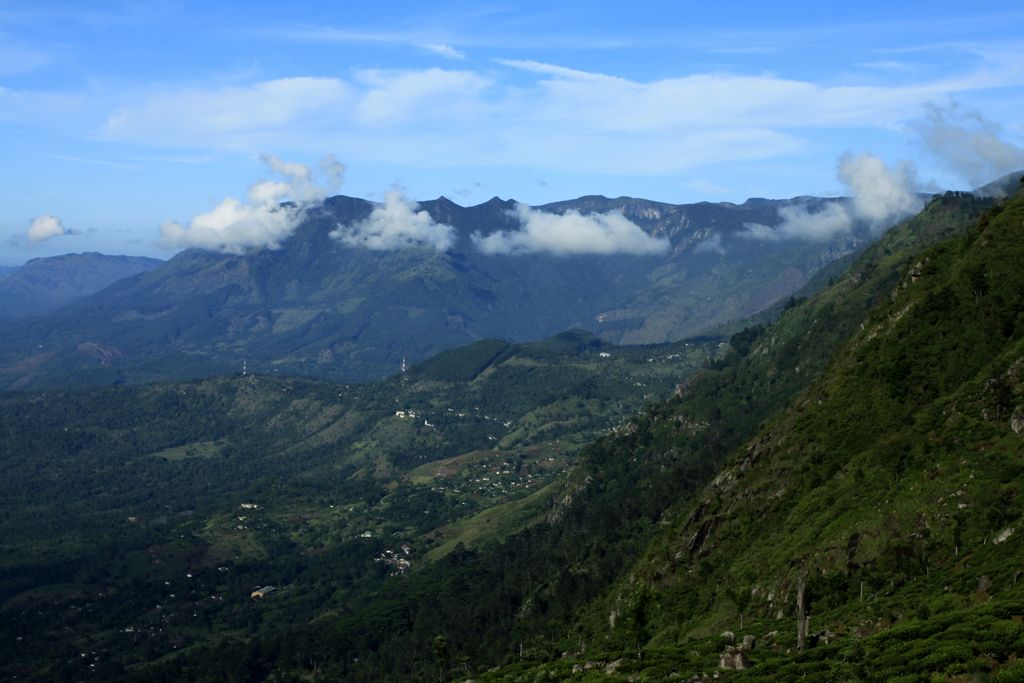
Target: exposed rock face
[1017, 421]
[733, 658]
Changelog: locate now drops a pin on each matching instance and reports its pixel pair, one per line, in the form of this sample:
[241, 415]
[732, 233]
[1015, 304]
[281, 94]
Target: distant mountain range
[317, 306]
[45, 284]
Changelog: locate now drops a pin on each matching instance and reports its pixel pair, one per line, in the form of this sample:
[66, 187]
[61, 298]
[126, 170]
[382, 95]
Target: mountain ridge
[321, 308]
[44, 284]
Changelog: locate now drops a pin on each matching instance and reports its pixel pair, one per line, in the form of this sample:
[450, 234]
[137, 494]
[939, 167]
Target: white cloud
[712, 244]
[967, 143]
[799, 222]
[880, 196]
[571, 233]
[261, 221]
[45, 227]
[444, 50]
[611, 103]
[526, 113]
[559, 71]
[398, 96]
[236, 117]
[396, 224]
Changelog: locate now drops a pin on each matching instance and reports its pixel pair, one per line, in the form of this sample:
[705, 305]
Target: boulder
[1017, 421]
[733, 658]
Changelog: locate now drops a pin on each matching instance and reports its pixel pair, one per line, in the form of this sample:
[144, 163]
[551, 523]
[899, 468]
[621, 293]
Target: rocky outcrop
[735, 657]
[1017, 420]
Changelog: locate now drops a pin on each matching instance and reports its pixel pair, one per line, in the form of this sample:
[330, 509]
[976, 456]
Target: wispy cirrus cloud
[444, 50]
[392, 96]
[96, 162]
[333, 34]
[559, 118]
[235, 117]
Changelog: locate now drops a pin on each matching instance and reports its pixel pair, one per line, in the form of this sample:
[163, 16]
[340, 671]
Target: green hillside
[892, 484]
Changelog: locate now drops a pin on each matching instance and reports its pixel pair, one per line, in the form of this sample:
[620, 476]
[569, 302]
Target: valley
[176, 500]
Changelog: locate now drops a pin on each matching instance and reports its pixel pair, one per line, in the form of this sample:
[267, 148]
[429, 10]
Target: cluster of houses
[398, 562]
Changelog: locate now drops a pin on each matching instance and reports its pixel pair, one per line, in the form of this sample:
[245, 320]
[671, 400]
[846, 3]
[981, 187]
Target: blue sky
[116, 118]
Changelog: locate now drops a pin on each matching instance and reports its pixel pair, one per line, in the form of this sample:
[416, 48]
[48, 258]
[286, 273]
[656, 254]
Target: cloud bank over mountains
[261, 221]
[273, 209]
[396, 224]
[879, 196]
[571, 233]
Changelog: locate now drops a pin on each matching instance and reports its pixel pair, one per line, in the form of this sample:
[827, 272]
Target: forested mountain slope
[571, 584]
[891, 488]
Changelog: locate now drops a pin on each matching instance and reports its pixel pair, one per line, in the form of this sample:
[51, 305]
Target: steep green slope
[892, 485]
